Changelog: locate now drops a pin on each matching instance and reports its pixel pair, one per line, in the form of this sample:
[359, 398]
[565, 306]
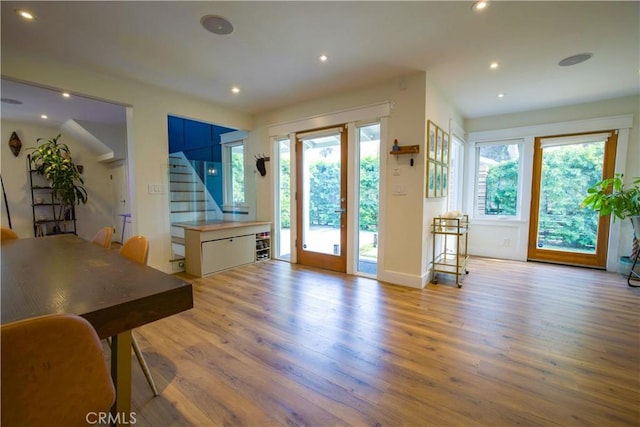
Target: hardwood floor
[273, 344]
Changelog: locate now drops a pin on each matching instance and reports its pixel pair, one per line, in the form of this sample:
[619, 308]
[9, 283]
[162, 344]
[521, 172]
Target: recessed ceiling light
[575, 59]
[216, 24]
[235, 89]
[494, 65]
[44, 116]
[480, 5]
[66, 94]
[25, 14]
[501, 95]
[323, 58]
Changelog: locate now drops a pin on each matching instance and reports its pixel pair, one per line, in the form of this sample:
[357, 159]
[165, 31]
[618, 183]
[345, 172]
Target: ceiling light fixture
[494, 65]
[575, 59]
[480, 5]
[501, 95]
[323, 58]
[66, 95]
[235, 89]
[25, 14]
[44, 116]
[216, 24]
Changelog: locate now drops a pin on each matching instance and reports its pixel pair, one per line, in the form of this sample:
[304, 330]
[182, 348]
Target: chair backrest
[103, 237]
[7, 234]
[53, 372]
[136, 248]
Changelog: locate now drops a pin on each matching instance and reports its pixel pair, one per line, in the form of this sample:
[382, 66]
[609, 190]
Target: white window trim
[228, 141]
[519, 200]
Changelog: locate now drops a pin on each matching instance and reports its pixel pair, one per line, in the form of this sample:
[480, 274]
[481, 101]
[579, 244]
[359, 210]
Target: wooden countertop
[217, 225]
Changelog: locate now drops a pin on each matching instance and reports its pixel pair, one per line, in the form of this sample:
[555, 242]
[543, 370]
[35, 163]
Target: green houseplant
[612, 196]
[52, 160]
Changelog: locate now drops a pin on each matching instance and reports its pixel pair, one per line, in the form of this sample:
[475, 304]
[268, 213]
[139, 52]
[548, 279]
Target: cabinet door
[227, 253]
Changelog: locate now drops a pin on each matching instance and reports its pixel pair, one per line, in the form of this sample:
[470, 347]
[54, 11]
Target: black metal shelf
[48, 208]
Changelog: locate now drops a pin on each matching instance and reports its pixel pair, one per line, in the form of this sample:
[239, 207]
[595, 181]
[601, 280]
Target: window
[233, 166]
[456, 162]
[283, 218]
[498, 178]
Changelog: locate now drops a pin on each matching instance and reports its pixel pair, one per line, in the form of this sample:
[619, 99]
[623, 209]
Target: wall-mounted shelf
[406, 149]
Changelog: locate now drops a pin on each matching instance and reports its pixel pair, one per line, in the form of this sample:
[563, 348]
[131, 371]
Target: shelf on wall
[406, 149]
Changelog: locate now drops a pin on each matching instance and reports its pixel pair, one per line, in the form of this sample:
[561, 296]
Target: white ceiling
[273, 53]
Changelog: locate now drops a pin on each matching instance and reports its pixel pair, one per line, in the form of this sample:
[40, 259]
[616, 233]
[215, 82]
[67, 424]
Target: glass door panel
[368, 196]
[322, 199]
[561, 230]
[283, 223]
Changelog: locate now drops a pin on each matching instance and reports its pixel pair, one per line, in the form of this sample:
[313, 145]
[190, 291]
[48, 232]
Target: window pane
[454, 200]
[284, 200]
[497, 180]
[567, 171]
[368, 191]
[237, 174]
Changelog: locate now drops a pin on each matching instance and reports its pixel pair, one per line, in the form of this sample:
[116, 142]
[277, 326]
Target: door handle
[341, 210]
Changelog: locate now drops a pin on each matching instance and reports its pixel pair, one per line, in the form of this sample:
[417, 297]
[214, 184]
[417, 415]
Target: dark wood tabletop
[66, 274]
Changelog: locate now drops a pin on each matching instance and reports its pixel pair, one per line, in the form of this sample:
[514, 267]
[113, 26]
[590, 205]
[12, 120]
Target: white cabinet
[227, 253]
[217, 246]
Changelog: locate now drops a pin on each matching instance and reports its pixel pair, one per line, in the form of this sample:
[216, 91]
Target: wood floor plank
[274, 344]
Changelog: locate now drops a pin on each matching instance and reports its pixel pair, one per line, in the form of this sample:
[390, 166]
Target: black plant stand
[633, 276]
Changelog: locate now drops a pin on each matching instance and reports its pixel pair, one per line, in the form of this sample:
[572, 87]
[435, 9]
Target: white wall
[400, 257]
[147, 133]
[440, 111]
[509, 239]
[97, 213]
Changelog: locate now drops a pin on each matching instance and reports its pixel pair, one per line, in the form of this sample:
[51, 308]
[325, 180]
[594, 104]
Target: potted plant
[53, 160]
[612, 196]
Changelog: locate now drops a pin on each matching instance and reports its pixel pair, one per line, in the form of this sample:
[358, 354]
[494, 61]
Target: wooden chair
[103, 237]
[7, 234]
[53, 372]
[136, 248]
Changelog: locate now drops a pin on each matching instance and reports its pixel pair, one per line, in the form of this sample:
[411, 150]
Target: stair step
[185, 205]
[178, 250]
[184, 186]
[193, 216]
[178, 240]
[194, 211]
[182, 179]
[177, 232]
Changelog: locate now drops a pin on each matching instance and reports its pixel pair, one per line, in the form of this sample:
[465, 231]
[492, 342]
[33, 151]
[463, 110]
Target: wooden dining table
[66, 274]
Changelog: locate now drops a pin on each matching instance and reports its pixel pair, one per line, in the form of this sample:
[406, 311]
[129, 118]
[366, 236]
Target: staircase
[189, 201]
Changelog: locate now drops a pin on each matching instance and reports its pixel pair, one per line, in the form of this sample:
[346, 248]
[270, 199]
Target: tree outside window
[237, 174]
[498, 179]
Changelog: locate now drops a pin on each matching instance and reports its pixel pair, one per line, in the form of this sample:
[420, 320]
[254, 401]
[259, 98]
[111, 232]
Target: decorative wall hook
[260, 164]
[15, 144]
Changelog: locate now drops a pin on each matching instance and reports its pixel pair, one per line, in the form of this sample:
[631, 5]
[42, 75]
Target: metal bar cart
[453, 236]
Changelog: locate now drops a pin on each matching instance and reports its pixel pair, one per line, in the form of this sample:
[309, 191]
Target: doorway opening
[564, 167]
[368, 189]
[321, 198]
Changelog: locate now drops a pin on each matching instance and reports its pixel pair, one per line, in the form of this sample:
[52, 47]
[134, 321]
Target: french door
[321, 198]
[564, 167]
